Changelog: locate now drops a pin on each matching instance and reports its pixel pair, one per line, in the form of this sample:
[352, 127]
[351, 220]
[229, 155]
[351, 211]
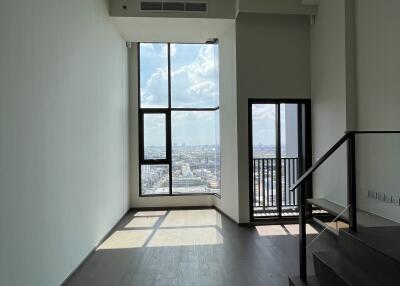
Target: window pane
[194, 75]
[264, 133]
[153, 75]
[195, 152]
[154, 136]
[289, 131]
[155, 179]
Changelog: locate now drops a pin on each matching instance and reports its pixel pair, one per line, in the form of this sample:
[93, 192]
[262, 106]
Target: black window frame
[167, 111]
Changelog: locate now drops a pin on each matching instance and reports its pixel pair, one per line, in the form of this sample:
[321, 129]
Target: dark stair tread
[384, 240]
[349, 272]
[363, 218]
[311, 281]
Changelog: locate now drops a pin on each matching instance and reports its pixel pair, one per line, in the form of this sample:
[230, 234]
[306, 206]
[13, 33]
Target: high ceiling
[140, 29]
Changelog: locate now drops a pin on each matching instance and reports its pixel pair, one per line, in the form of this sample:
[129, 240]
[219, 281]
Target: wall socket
[385, 197]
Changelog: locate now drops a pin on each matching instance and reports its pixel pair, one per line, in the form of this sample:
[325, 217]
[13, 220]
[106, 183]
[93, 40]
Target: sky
[263, 124]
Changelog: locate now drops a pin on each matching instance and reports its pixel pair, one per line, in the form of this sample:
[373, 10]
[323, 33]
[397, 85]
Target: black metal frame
[304, 145]
[167, 111]
[350, 139]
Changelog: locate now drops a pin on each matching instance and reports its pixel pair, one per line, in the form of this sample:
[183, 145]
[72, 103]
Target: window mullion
[169, 76]
[168, 131]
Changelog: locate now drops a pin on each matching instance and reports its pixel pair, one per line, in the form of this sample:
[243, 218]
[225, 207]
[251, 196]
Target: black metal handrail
[349, 137]
[331, 151]
[319, 162]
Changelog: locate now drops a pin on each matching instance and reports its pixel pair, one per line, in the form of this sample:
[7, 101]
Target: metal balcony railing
[265, 193]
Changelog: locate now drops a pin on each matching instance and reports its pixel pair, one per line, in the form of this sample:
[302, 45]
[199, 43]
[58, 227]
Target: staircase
[367, 255]
[370, 257]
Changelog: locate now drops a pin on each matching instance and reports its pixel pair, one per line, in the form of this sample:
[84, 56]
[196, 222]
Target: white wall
[228, 203]
[63, 143]
[378, 59]
[273, 61]
[329, 118]
[295, 7]
[355, 66]
[378, 84]
[174, 30]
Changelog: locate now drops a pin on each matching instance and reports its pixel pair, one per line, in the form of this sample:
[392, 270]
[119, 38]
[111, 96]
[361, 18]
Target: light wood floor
[194, 247]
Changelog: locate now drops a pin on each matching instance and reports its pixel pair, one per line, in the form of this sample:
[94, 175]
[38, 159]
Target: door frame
[304, 143]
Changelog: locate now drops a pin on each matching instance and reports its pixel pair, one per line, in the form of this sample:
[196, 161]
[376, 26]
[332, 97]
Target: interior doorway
[280, 151]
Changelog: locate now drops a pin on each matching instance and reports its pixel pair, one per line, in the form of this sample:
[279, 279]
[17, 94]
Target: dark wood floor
[194, 247]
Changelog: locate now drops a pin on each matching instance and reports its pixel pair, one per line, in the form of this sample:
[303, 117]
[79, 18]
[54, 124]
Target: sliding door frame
[304, 149]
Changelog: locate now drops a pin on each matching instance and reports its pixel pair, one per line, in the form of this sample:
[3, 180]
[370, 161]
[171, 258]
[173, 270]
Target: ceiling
[146, 29]
[310, 2]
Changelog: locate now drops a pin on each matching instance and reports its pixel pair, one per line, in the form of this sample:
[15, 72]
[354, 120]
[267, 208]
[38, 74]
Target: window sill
[180, 195]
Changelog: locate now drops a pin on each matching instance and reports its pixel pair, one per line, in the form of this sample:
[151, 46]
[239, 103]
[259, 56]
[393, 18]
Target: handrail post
[352, 181]
[302, 233]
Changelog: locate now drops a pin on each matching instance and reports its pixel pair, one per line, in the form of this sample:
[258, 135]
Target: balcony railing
[265, 198]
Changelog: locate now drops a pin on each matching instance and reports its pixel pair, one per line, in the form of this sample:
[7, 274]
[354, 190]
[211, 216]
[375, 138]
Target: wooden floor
[195, 247]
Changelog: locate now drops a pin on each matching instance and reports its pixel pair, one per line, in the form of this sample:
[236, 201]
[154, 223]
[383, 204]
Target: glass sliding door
[264, 136]
[279, 133]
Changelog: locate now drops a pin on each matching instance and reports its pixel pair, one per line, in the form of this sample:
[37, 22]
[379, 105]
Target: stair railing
[349, 137]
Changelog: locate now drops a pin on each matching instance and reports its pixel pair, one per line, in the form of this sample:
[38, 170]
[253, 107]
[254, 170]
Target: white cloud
[263, 112]
[148, 46]
[155, 90]
[194, 84]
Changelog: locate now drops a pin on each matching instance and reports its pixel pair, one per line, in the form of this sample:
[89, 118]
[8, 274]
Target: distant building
[186, 182]
[186, 172]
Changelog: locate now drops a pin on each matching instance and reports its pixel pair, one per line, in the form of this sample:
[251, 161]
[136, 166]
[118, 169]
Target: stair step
[376, 247]
[382, 239]
[335, 269]
[311, 281]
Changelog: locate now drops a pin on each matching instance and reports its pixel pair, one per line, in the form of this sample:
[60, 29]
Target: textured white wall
[63, 136]
[295, 7]
[229, 201]
[329, 119]
[273, 61]
[378, 84]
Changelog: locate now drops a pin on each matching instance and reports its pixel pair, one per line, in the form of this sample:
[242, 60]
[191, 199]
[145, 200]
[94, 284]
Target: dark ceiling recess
[151, 6]
[173, 6]
[196, 7]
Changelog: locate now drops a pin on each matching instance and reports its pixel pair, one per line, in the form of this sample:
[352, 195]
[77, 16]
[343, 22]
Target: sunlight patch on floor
[271, 230]
[178, 228]
[337, 225]
[188, 218]
[124, 239]
[150, 213]
[142, 222]
[186, 237]
[280, 230]
[294, 229]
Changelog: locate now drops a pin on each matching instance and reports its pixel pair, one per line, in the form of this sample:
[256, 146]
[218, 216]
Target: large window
[179, 119]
